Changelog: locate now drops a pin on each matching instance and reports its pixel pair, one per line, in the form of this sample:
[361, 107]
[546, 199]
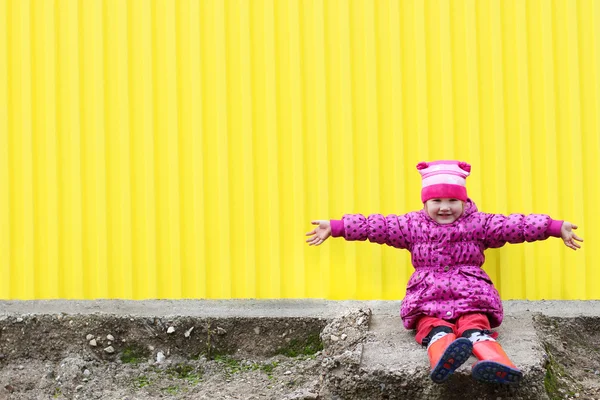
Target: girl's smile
[444, 210]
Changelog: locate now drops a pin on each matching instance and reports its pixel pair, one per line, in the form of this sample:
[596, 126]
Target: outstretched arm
[320, 233]
[569, 237]
[392, 230]
[518, 228]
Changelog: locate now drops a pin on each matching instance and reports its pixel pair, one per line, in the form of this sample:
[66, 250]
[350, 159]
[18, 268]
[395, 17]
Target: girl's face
[445, 210]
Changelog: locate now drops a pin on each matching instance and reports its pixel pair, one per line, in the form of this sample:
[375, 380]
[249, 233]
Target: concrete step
[393, 366]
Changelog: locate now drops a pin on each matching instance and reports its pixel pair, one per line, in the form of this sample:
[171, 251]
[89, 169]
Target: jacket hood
[470, 208]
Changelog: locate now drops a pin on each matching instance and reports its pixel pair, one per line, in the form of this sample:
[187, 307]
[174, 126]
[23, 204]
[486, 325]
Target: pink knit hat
[445, 178]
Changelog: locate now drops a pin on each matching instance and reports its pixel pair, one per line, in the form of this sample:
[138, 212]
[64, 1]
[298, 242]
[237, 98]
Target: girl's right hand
[320, 233]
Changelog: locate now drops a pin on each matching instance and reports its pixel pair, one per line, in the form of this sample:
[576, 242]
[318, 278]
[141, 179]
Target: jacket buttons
[446, 268]
[449, 313]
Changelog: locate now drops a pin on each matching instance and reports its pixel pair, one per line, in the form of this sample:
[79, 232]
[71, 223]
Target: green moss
[142, 381]
[134, 354]
[214, 354]
[552, 378]
[172, 390]
[185, 371]
[551, 384]
[268, 368]
[233, 366]
[307, 347]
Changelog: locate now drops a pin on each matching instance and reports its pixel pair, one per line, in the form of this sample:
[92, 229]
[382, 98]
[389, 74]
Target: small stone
[170, 330]
[287, 373]
[334, 338]
[93, 343]
[86, 372]
[257, 330]
[360, 321]
[89, 336]
[188, 332]
[21, 367]
[221, 331]
[160, 357]
[328, 363]
[110, 337]
[150, 347]
[344, 336]
[78, 388]
[109, 350]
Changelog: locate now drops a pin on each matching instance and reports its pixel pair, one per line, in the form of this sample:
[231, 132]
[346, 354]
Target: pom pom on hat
[444, 179]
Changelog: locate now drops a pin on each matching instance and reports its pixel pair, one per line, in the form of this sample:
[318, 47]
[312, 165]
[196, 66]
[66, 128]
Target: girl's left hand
[569, 237]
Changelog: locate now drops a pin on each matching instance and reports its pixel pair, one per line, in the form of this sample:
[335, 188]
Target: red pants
[462, 324]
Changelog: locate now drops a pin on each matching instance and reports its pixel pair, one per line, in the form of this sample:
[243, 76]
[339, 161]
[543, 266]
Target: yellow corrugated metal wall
[179, 149]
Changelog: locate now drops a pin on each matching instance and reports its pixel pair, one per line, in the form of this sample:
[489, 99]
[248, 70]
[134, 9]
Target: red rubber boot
[446, 354]
[494, 366]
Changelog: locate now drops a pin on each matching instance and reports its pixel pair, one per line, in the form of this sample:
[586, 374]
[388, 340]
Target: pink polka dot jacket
[448, 280]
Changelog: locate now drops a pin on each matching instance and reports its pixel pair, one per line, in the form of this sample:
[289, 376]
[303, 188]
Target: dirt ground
[55, 357]
[573, 351]
[116, 358]
[223, 378]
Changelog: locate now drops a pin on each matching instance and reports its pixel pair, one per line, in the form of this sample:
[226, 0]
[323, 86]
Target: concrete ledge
[394, 366]
[265, 308]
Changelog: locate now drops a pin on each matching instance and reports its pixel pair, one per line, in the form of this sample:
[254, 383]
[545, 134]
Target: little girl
[450, 300]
